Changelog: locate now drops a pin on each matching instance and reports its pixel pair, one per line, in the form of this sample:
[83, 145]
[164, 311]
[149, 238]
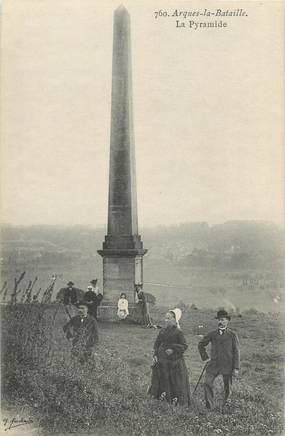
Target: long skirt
[141, 314]
[170, 381]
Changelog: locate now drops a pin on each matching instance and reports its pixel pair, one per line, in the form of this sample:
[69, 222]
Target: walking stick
[67, 312]
[201, 375]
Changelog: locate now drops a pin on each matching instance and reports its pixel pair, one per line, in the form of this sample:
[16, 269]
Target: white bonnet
[177, 313]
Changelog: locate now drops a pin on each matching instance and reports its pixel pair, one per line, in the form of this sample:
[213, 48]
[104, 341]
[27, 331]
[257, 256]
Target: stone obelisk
[122, 249]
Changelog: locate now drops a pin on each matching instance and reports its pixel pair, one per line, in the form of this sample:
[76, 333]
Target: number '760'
[160, 14]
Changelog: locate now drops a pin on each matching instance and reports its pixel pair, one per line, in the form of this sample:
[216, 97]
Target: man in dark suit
[69, 296]
[225, 357]
[82, 330]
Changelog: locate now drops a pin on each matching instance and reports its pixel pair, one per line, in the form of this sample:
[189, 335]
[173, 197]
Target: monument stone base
[122, 270]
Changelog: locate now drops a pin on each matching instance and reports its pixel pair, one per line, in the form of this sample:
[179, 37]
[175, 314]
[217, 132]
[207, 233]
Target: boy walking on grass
[225, 357]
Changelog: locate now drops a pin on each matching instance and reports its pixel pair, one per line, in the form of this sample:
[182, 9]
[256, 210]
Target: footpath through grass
[108, 395]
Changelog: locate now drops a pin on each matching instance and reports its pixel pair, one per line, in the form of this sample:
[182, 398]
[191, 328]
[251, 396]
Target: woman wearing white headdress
[177, 313]
[170, 380]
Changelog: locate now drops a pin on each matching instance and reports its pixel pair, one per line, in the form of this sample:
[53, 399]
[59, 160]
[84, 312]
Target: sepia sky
[207, 112]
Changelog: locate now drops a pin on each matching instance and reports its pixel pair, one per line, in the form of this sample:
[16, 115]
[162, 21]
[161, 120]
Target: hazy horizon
[146, 227]
[207, 115]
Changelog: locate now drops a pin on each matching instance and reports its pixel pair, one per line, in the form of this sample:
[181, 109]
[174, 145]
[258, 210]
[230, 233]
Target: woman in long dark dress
[170, 380]
[143, 309]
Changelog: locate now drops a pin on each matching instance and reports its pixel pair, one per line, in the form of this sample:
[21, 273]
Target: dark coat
[225, 355]
[170, 374]
[143, 309]
[93, 302]
[69, 295]
[83, 331]
[170, 337]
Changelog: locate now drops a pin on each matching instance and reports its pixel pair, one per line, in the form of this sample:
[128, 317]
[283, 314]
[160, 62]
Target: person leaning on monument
[143, 306]
[93, 298]
[225, 357]
[82, 331]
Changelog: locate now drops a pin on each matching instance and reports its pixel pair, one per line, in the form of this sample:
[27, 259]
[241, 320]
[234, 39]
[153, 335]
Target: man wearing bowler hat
[225, 357]
[82, 331]
[70, 296]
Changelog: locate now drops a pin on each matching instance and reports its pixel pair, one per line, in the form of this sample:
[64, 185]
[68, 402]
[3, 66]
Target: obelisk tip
[121, 10]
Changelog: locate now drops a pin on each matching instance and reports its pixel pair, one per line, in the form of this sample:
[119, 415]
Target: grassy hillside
[237, 266]
[109, 396]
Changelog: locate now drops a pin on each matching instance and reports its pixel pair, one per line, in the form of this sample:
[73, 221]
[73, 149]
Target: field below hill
[108, 396]
[237, 264]
[169, 282]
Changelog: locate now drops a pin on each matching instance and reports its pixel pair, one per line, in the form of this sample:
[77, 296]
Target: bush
[65, 394]
[72, 396]
[26, 335]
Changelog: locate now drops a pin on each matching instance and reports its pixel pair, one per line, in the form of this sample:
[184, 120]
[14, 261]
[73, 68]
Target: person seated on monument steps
[123, 306]
[170, 380]
[93, 298]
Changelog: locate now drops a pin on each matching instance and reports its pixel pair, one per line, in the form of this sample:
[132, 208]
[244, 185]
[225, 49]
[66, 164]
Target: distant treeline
[233, 244]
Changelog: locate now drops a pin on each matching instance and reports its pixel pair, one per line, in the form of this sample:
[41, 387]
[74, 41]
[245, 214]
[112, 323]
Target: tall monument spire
[122, 249]
[122, 212]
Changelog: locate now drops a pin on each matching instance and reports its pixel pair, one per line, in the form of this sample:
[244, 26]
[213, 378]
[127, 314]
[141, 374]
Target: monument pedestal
[122, 270]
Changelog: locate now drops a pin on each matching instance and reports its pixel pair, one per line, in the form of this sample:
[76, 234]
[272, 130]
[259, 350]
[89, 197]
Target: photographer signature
[10, 423]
